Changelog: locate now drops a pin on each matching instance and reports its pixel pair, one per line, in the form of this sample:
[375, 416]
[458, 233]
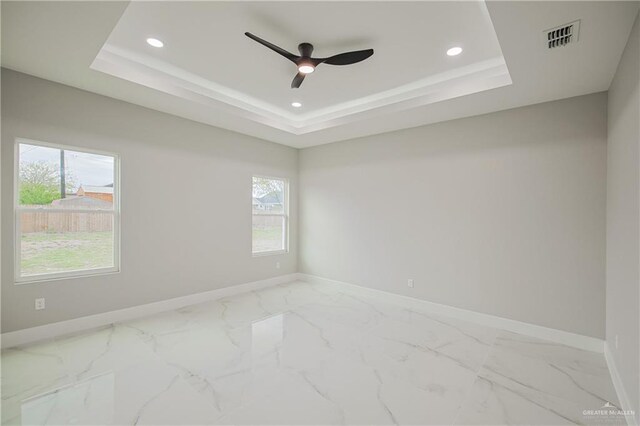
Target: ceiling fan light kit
[306, 64]
[306, 68]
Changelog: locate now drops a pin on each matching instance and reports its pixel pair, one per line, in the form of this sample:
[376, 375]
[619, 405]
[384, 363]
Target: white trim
[49, 331]
[66, 275]
[149, 71]
[284, 215]
[18, 278]
[56, 145]
[559, 336]
[269, 253]
[623, 398]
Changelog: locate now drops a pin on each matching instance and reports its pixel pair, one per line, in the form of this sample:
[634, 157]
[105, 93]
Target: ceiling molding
[214, 75]
[159, 75]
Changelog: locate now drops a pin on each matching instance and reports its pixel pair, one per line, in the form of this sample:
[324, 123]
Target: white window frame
[17, 209]
[284, 215]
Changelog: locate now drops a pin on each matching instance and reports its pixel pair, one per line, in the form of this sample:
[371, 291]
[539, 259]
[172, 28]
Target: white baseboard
[625, 403]
[48, 331]
[559, 336]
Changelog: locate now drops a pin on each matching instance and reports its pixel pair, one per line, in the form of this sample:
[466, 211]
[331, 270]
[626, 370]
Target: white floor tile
[301, 353]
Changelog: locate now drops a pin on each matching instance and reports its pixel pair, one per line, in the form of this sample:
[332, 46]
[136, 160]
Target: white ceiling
[206, 40]
[210, 72]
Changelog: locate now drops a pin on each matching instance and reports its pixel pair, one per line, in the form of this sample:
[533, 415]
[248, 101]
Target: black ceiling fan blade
[348, 58]
[290, 56]
[297, 80]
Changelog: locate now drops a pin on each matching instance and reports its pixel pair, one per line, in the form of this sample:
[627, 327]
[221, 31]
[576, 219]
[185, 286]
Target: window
[270, 215]
[67, 212]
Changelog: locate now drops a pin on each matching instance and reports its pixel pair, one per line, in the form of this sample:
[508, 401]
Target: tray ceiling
[207, 59]
[208, 71]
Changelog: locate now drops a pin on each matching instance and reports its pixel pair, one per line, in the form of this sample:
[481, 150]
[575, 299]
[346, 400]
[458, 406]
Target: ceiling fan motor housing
[305, 49]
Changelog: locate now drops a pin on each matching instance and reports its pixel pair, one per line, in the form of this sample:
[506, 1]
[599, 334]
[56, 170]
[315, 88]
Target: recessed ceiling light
[454, 51]
[296, 104]
[155, 42]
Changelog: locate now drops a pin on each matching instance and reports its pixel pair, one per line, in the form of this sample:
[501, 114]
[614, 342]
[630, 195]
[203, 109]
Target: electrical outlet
[277, 265]
[616, 343]
[410, 283]
[40, 304]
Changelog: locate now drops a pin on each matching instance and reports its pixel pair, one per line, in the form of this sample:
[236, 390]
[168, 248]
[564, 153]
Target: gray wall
[502, 213]
[176, 175]
[623, 218]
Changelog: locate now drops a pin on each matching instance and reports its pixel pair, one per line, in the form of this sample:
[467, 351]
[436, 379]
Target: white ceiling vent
[562, 35]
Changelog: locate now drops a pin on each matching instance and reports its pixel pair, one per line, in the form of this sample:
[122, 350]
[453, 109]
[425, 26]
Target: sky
[87, 169]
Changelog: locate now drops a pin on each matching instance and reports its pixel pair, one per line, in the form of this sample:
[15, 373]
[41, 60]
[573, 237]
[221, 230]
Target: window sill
[39, 279]
[270, 253]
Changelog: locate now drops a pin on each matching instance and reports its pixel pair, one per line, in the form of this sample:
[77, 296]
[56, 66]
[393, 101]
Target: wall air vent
[562, 35]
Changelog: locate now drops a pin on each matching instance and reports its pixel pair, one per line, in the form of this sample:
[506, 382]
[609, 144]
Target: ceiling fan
[306, 64]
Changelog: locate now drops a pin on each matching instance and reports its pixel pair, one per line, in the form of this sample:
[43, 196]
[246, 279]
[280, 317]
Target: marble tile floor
[303, 353]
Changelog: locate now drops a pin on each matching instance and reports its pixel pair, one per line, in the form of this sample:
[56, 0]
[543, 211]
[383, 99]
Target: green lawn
[48, 252]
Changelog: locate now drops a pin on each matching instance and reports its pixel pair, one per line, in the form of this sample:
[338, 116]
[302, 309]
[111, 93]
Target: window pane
[65, 179]
[268, 195]
[268, 233]
[39, 175]
[92, 178]
[53, 242]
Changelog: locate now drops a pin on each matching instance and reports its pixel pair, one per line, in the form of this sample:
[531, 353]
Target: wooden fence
[53, 221]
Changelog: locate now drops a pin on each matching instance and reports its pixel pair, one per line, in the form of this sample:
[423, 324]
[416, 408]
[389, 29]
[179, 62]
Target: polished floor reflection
[303, 353]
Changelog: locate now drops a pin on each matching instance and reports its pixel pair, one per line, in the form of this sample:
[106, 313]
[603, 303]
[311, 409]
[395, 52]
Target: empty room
[320, 212]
